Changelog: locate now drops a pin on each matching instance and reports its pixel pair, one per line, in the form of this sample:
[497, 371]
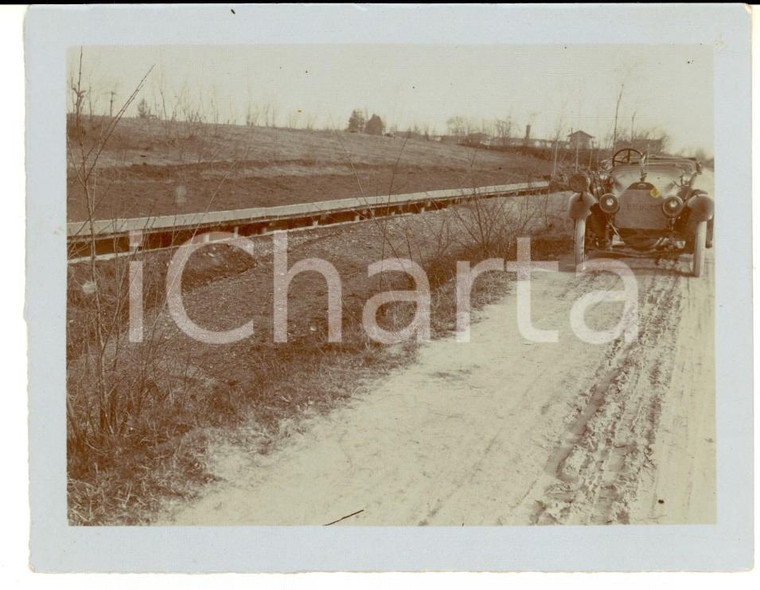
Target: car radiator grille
[640, 210]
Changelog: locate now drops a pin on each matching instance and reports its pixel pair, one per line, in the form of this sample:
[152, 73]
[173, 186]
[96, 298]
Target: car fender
[580, 205]
[701, 207]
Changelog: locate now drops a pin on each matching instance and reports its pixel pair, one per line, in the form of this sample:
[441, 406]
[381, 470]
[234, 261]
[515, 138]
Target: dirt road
[502, 430]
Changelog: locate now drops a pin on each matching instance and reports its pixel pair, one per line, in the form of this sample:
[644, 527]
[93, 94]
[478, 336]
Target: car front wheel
[700, 243]
[579, 241]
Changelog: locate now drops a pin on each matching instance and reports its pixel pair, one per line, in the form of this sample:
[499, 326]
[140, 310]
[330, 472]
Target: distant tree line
[502, 132]
[358, 123]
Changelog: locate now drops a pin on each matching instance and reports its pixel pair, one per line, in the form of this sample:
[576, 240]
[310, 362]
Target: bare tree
[559, 130]
[252, 111]
[374, 125]
[83, 154]
[270, 112]
[143, 109]
[456, 126]
[503, 130]
[356, 122]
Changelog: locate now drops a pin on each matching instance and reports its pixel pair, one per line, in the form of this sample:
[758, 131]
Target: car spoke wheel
[700, 242]
[579, 241]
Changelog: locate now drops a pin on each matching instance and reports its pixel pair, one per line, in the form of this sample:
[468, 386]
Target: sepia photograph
[324, 285]
[365, 283]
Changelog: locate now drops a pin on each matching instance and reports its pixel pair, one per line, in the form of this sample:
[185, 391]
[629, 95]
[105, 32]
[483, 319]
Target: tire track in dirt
[596, 468]
[684, 490]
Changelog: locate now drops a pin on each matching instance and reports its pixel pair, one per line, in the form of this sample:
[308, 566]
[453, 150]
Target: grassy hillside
[152, 167]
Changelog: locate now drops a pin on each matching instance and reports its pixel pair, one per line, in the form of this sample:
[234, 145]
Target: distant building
[450, 139]
[544, 143]
[477, 139]
[580, 140]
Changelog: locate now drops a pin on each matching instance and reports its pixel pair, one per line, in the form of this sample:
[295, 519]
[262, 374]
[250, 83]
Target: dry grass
[257, 386]
[154, 167]
[163, 143]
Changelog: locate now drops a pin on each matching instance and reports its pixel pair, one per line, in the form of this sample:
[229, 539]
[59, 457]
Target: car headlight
[609, 203]
[578, 182]
[672, 206]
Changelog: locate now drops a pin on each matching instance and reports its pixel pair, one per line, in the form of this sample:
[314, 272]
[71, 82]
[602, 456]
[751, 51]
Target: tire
[579, 241]
[700, 244]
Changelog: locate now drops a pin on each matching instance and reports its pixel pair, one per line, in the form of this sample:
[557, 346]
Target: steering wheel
[625, 156]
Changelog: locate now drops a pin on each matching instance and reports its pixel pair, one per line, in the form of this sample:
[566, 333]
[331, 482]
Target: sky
[551, 87]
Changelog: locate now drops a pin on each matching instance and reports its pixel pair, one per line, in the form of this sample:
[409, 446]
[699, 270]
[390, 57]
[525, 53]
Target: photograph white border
[58, 547]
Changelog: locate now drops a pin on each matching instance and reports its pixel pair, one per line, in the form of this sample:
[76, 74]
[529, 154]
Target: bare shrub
[123, 398]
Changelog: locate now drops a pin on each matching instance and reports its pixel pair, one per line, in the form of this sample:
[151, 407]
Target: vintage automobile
[642, 205]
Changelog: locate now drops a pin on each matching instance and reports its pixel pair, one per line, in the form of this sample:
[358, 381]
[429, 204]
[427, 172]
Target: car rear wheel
[700, 242]
[579, 241]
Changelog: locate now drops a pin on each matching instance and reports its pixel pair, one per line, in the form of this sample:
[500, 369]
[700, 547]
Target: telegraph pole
[617, 109]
